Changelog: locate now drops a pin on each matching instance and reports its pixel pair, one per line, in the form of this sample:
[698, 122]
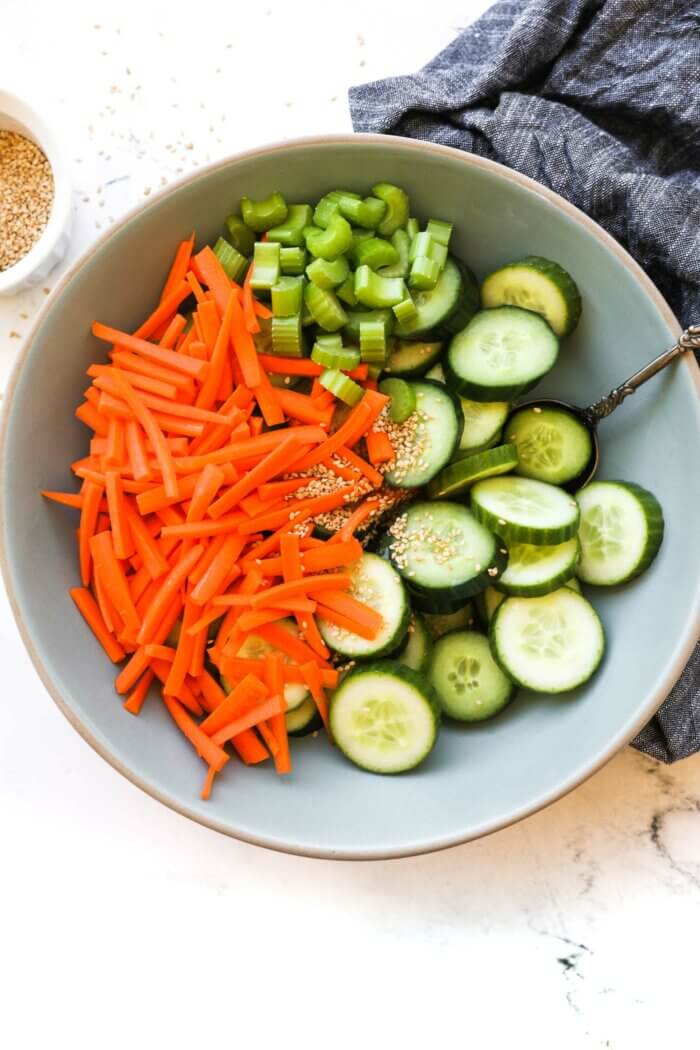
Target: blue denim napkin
[600, 101]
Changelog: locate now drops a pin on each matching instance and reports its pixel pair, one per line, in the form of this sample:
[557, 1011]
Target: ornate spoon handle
[689, 340]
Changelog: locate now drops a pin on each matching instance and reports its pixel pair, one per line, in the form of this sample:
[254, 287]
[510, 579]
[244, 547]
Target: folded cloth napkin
[599, 100]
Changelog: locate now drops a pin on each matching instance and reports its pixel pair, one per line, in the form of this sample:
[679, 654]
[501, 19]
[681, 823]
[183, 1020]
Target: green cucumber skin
[312, 726]
[458, 476]
[513, 533]
[539, 590]
[467, 293]
[426, 641]
[413, 678]
[654, 516]
[560, 278]
[442, 601]
[502, 661]
[417, 370]
[451, 713]
[468, 303]
[477, 392]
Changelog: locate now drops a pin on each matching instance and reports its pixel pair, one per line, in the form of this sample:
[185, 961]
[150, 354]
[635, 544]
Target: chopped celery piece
[346, 292]
[266, 265]
[420, 245]
[242, 237]
[424, 273]
[401, 242]
[359, 235]
[234, 264]
[263, 215]
[287, 296]
[330, 205]
[287, 338]
[406, 310]
[374, 371]
[328, 274]
[438, 253]
[376, 291]
[307, 318]
[335, 240]
[291, 232]
[367, 212]
[396, 201]
[374, 252]
[403, 398]
[344, 388]
[328, 350]
[412, 228]
[372, 341]
[292, 260]
[440, 231]
[355, 319]
[325, 308]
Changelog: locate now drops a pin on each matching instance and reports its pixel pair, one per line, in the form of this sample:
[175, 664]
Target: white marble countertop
[121, 923]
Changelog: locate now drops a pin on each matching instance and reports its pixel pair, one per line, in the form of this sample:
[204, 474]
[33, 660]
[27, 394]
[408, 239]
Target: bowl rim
[28, 270]
[579, 776]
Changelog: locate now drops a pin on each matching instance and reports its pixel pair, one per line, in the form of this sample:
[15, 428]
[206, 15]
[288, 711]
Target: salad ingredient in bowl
[295, 485]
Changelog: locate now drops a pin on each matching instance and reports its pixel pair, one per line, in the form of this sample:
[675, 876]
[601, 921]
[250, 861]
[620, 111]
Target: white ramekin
[51, 247]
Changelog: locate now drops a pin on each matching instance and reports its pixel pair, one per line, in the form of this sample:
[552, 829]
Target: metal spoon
[591, 416]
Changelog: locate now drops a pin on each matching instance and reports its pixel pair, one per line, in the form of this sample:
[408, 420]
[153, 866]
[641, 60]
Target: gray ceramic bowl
[477, 779]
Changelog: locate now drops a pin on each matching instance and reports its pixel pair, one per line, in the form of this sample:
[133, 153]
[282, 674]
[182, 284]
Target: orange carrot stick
[213, 755]
[348, 624]
[136, 451]
[209, 585]
[360, 464]
[353, 610]
[116, 506]
[247, 694]
[272, 464]
[183, 652]
[208, 484]
[267, 709]
[164, 311]
[150, 425]
[189, 366]
[95, 621]
[175, 578]
[209, 389]
[137, 697]
[179, 266]
[173, 331]
[140, 366]
[93, 418]
[66, 499]
[112, 577]
[203, 529]
[379, 446]
[312, 678]
[92, 501]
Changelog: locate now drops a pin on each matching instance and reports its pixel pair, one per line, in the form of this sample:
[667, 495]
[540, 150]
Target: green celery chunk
[374, 252]
[373, 290]
[291, 232]
[397, 210]
[287, 338]
[328, 274]
[328, 350]
[406, 310]
[242, 237]
[368, 212]
[412, 228]
[424, 273]
[421, 244]
[266, 265]
[292, 260]
[344, 388]
[401, 242]
[346, 291]
[373, 341]
[403, 398]
[287, 296]
[356, 317]
[440, 231]
[325, 308]
[234, 264]
[264, 214]
[335, 240]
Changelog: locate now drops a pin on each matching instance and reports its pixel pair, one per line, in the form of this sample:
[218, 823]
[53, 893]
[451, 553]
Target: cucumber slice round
[622, 526]
[436, 307]
[533, 571]
[444, 554]
[483, 420]
[385, 717]
[403, 399]
[457, 477]
[553, 445]
[500, 354]
[416, 650]
[377, 584]
[550, 644]
[525, 511]
[469, 683]
[428, 438]
[536, 284]
[304, 719]
[486, 604]
[410, 360]
[443, 623]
